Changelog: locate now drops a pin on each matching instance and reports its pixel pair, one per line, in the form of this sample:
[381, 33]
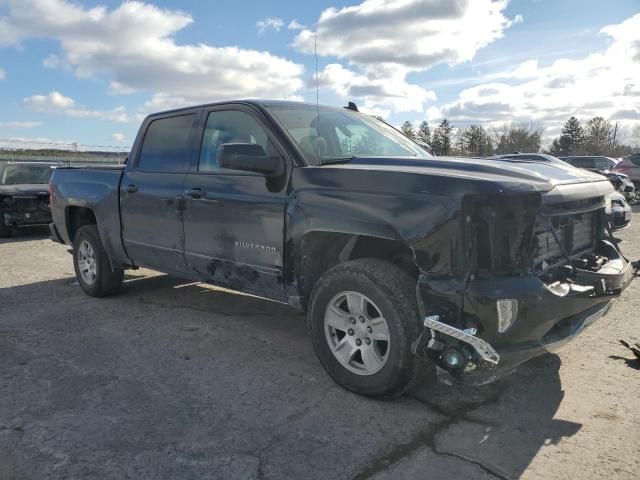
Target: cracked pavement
[173, 379]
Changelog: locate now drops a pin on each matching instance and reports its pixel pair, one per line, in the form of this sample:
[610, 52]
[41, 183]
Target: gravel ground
[173, 379]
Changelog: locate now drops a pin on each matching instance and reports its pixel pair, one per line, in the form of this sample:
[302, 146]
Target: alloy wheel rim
[87, 264]
[357, 333]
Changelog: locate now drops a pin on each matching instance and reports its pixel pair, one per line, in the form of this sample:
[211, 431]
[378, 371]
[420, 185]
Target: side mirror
[248, 157]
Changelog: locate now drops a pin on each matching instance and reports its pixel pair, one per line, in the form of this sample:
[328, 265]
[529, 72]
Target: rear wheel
[92, 265]
[363, 318]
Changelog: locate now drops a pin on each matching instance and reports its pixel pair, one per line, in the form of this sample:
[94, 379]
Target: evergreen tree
[441, 138]
[477, 141]
[407, 129]
[572, 136]
[424, 132]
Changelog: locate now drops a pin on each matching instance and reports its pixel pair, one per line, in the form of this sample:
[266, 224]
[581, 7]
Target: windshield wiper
[331, 161]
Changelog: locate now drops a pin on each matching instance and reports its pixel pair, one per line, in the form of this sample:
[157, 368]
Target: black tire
[393, 292]
[107, 280]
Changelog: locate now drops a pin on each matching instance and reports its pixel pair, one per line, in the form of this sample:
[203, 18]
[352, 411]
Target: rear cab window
[167, 145]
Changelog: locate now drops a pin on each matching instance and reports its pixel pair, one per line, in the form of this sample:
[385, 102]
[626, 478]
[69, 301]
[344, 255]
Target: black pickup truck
[24, 195]
[402, 261]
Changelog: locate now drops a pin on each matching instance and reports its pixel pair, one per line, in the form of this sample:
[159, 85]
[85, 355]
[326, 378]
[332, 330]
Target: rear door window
[603, 163]
[167, 145]
[583, 162]
[635, 159]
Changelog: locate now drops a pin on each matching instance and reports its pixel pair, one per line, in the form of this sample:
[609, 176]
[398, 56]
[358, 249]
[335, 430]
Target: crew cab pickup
[402, 261]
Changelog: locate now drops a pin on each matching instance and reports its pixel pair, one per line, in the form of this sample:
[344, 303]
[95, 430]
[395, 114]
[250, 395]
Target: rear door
[151, 193]
[234, 220]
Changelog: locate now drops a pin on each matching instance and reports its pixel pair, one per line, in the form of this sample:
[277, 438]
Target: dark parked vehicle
[594, 163]
[470, 264]
[630, 165]
[607, 166]
[24, 195]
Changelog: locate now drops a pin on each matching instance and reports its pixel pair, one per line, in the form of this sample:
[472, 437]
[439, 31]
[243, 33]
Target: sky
[89, 71]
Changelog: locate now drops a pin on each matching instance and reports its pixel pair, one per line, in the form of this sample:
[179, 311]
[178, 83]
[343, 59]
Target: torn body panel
[533, 280]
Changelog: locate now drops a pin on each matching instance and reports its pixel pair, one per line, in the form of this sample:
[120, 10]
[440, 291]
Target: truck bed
[96, 189]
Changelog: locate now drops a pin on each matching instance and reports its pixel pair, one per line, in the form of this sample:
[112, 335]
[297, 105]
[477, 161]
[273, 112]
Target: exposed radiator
[576, 233]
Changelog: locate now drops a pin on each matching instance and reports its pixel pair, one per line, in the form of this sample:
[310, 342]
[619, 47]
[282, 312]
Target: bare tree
[516, 137]
[598, 134]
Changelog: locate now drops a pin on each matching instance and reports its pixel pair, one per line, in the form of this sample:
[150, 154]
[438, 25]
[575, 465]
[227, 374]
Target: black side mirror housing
[248, 157]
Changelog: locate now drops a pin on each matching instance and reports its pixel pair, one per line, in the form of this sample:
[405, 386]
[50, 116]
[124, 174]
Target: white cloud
[605, 83]
[415, 34]
[387, 40]
[2, 74]
[270, 23]
[118, 137]
[55, 102]
[52, 61]
[295, 25]
[133, 45]
[117, 88]
[379, 96]
[19, 124]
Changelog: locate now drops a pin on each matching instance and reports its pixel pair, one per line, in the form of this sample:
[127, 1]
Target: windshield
[326, 134]
[25, 174]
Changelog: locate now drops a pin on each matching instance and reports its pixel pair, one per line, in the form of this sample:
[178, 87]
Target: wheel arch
[77, 217]
[318, 251]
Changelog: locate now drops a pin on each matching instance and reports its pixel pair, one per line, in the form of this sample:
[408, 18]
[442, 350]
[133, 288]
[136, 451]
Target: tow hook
[482, 348]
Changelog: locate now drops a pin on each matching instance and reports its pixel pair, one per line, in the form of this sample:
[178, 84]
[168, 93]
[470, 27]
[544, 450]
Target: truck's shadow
[26, 234]
[502, 426]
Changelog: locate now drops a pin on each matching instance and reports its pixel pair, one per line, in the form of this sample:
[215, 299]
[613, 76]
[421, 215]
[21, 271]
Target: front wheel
[92, 265]
[363, 318]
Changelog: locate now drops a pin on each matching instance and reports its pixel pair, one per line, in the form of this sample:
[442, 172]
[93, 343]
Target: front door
[151, 194]
[234, 220]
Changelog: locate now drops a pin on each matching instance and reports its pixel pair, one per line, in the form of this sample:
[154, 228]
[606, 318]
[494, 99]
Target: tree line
[596, 137]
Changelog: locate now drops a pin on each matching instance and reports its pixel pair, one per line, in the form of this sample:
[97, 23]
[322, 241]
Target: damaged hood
[28, 190]
[506, 175]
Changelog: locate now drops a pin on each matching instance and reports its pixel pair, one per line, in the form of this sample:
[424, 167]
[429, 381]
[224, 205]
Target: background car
[24, 195]
[630, 165]
[608, 167]
[595, 163]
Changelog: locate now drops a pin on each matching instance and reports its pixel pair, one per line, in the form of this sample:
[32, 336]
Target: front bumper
[547, 318]
[26, 218]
